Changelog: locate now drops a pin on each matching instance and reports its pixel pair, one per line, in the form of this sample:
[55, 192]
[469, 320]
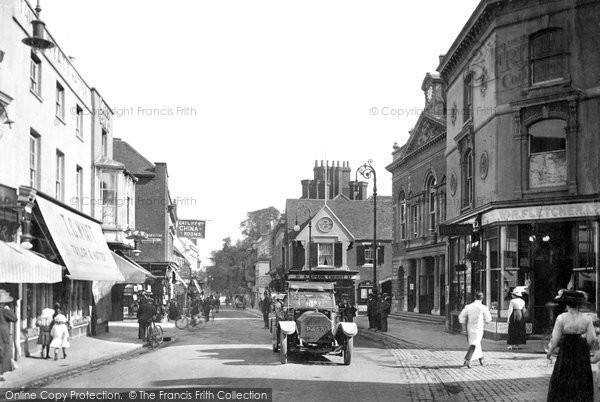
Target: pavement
[120, 342]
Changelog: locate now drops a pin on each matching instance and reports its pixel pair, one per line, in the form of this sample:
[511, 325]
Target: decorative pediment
[426, 130]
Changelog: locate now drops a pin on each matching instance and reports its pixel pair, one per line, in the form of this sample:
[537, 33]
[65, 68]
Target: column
[417, 283]
[597, 249]
[501, 247]
[436, 286]
[488, 275]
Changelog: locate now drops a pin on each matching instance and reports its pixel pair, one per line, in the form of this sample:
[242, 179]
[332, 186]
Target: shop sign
[455, 230]
[320, 277]
[192, 229]
[539, 212]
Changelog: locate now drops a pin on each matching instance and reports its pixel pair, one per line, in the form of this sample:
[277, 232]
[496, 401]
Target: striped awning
[18, 265]
[179, 279]
[197, 285]
[130, 270]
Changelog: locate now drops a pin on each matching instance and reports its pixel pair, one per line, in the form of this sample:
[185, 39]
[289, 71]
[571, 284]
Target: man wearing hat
[370, 310]
[6, 317]
[386, 308]
[473, 318]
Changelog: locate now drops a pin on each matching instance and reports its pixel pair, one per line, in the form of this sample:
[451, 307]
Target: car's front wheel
[283, 348]
[348, 347]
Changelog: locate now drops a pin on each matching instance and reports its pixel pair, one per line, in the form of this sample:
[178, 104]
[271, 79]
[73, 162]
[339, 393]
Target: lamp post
[367, 171]
[297, 229]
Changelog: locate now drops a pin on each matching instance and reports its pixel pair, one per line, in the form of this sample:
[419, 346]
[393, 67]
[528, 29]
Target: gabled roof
[132, 159]
[428, 127]
[357, 216]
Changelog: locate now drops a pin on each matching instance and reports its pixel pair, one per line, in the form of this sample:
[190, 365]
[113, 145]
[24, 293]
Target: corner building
[522, 155]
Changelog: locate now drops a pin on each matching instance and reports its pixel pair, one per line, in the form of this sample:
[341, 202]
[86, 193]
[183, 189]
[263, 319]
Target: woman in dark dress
[6, 317]
[572, 378]
[516, 320]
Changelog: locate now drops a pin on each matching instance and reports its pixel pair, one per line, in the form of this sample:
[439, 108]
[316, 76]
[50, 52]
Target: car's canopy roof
[318, 286]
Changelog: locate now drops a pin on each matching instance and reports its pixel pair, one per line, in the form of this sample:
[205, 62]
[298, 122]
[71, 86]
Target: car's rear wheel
[348, 347]
[283, 348]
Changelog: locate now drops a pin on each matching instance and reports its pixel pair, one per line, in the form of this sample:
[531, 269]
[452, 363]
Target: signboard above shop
[192, 229]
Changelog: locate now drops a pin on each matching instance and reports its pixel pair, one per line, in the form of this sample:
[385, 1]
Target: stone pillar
[417, 283]
[501, 302]
[436, 286]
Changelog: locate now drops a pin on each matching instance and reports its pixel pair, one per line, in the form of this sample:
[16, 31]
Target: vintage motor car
[306, 320]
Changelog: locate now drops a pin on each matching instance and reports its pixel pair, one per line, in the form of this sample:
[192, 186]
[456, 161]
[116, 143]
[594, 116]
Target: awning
[197, 285]
[179, 280]
[80, 243]
[18, 265]
[130, 270]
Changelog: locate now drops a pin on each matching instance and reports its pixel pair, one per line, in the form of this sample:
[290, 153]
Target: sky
[240, 97]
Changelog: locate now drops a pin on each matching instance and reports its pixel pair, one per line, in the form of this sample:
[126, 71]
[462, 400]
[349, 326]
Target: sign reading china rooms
[191, 229]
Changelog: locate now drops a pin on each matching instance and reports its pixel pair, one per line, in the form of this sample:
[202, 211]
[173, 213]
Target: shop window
[547, 56]
[547, 153]
[586, 254]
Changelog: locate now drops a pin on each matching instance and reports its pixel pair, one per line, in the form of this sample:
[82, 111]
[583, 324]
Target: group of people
[379, 307]
[573, 334]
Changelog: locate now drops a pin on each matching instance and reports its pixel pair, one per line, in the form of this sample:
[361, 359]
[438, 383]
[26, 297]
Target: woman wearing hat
[60, 336]
[6, 317]
[516, 320]
[572, 375]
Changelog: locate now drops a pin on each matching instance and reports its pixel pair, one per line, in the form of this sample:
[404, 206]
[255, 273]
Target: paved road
[235, 351]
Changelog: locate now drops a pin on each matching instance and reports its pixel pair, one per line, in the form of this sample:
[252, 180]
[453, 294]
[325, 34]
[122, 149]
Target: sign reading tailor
[192, 229]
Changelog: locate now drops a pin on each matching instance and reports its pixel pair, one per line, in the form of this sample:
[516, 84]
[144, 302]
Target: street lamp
[297, 229]
[37, 40]
[367, 171]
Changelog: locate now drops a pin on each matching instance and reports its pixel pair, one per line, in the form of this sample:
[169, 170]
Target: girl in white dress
[60, 336]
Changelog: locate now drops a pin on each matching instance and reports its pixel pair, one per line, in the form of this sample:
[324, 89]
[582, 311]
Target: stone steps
[419, 318]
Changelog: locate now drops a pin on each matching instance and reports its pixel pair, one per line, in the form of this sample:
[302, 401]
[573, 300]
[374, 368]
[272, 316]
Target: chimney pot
[316, 163]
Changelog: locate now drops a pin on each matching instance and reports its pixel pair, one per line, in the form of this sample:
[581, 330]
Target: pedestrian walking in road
[473, 318]
[386, 309]
[370, 310]
[266, 308]
[44, 323]
[516, 320]
[6, 317]
[218, 302]
[206, 307]
[572, 377]
[60, 336]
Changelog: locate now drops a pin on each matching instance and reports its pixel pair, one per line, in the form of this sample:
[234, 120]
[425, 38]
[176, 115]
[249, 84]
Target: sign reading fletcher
[191, 229]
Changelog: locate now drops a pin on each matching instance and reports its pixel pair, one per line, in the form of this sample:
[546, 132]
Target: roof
[357, 216]
[132, 159]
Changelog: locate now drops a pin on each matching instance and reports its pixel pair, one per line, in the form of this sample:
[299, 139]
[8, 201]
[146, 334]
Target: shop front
[77, 242]
[122, 294]
[544, 248]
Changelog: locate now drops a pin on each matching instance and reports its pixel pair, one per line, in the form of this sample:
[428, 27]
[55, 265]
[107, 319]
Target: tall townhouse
[46, 181]
[419, 197]
[522, 155]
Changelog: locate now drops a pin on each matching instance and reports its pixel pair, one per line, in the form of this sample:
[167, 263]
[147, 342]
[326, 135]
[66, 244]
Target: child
[60, 335]
[44, 322]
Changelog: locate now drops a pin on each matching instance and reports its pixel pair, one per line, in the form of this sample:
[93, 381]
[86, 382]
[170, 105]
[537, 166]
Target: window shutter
[301, 255]
[360, 256]
[314, 253]
[380, 255]
[337, 254]
[297, 255]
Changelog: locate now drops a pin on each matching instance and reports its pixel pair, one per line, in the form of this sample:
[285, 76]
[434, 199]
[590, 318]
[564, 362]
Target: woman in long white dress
[516, 321]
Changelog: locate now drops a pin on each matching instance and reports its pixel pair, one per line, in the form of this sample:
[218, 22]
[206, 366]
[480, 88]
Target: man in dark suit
[266, 308]
[145, 314]
[371, 310]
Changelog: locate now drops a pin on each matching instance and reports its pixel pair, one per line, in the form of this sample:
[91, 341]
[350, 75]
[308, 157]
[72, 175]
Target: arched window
[402, 215]
[467, 187]
[547, 56]
[432, 204]
[547, 153]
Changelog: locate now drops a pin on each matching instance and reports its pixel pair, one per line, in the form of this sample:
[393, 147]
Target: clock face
[430, 94]
[325, 225]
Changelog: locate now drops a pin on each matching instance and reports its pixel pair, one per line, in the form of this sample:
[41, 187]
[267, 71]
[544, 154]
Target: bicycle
[154, 333]
[184, 322]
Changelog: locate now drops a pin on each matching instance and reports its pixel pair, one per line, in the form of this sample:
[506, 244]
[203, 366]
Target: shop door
[410, 293]
[426, 295]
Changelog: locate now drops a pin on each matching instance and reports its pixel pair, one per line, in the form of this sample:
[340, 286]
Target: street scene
[266, 200]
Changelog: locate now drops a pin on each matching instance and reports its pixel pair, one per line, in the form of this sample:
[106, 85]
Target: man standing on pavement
[473, 318]
[266, 308]
[386, 308]
[378, 311]
[370, 311]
